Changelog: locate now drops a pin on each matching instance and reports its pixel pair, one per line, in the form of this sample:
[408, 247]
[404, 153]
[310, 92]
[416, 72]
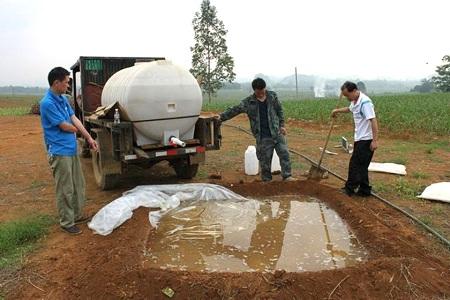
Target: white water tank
[160, 98]
[251, 162]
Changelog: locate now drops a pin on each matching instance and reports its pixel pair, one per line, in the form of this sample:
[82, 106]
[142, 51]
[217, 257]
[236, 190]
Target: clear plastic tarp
[164, 197]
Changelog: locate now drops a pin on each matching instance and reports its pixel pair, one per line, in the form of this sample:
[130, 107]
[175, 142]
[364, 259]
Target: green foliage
[404, 113]
[16, 237]
[398, 160]
[426, 86]
[407, 189]
[14, 111]
[442, 80]
[427, 220]
[420, 175]
[211, 63]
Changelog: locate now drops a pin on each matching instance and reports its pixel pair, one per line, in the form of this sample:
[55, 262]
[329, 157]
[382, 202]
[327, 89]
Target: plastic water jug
[275, 162]
[251, 161]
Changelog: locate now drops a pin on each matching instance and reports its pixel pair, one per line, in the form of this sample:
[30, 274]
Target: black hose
[412, 217]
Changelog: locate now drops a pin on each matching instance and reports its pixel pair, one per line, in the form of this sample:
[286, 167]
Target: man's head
[58, 79]
[259, 87]
[350, 91]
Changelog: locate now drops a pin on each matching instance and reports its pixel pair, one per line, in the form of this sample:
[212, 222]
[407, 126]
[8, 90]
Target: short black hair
[258, 84]
[350, 86]
[58, 73]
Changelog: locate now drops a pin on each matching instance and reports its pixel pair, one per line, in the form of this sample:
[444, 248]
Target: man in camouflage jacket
[267, 124]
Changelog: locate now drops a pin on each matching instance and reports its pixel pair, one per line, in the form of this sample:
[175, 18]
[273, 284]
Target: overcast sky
[361, 39]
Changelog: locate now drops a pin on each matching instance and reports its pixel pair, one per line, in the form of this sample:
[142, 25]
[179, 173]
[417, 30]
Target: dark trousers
[358, 173]
[264, 152]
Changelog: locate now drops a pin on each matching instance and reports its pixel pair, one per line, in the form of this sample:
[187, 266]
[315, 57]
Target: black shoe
[347, 192]
[74, 230]
[363, 194]
[82, 220]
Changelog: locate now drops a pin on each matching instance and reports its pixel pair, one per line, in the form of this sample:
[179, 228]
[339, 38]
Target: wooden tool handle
[329, 134]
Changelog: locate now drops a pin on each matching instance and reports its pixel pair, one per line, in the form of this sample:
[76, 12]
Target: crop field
[404, 113]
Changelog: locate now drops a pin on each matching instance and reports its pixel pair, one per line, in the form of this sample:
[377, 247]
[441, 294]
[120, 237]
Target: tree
[442, 80]
[211, 63]
[426, 86]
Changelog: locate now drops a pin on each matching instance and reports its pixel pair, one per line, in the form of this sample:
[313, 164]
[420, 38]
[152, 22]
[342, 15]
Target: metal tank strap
[164, 119]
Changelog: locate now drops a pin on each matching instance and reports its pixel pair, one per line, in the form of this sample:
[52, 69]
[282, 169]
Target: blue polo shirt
[55, 109]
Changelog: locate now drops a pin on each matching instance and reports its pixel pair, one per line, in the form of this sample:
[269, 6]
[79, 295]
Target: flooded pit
[292, 233]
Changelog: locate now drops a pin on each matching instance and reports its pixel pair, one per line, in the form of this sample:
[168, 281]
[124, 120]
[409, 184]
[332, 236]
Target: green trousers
[70, 188]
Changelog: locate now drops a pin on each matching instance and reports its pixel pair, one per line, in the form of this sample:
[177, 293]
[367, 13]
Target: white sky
[362, 39]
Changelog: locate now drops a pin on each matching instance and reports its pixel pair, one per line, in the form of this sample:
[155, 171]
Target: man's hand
[217, 118]
[92, 144]
[334, 113]
[373, 145]
[283, 130]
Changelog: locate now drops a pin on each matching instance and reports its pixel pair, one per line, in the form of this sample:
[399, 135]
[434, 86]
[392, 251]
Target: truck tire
[104, 181]
[184, 170]
[106, 169]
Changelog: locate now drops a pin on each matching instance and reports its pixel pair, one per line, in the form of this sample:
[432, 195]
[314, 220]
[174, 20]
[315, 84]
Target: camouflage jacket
[250, 106]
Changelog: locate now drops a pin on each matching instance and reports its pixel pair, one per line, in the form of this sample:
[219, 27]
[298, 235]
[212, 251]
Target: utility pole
[296, 84]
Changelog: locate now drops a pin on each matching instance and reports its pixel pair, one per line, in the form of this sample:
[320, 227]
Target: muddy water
[289, 233]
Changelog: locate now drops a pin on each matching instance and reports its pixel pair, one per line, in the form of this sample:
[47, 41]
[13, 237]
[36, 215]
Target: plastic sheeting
[165, 197]
[387, 168]
[437, 191]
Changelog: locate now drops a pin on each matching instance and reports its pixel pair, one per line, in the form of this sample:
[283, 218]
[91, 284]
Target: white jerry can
[251, 161]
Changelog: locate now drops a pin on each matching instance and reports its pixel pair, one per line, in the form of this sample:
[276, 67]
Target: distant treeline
[326, 87]
[21, 90]
[307, 84]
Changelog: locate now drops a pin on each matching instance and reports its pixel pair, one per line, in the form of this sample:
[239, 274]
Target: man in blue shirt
[60, 127]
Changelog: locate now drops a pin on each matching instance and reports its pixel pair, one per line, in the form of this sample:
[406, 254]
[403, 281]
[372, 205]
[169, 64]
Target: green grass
[202, 173]
[407, 189]
[14, 111]
[398, 160]
[420, 175]
[17, 105]
[402, 187]
[18, 237]
[427, 220]
[437, 210]
[404, 113]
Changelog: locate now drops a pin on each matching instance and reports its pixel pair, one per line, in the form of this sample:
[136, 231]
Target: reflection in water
[255, 235]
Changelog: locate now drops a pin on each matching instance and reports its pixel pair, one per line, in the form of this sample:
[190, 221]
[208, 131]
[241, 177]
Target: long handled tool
[315, 172]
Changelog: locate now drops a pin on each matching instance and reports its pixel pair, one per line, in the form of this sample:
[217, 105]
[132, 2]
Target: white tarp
[387, 168]
[437, 191]
[165, 197]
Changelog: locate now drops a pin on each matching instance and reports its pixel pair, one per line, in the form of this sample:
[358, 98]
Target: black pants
[358, 173]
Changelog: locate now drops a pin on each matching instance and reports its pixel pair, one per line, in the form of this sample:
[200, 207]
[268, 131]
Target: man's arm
[77, 123]
[374, 144]
[64, 126]
[233, 111]
[339, 111]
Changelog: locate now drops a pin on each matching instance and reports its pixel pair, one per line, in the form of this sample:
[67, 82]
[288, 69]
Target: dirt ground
[404, 261]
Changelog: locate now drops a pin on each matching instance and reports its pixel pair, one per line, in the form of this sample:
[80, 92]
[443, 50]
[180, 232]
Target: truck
[122, 144]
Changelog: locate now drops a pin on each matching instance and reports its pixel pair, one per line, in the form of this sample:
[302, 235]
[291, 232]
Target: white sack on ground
[387, 168]
[437, 191]
[165, 197]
